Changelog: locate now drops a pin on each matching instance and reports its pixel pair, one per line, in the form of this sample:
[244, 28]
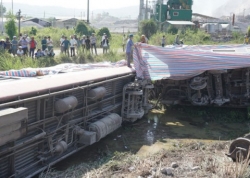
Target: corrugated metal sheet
[180, 22]
[180, 63]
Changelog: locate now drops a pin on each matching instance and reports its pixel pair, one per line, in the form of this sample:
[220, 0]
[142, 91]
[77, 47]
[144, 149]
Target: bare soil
[164, 144]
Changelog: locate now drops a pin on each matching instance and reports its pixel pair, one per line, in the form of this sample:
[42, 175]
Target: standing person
[83, 42]
[177, 40]
[105, 44]
[24, 43]
[124, 40]
[103, 36]
[14, 45]
[28, 40]
[93, 43]
[2, 45]
[246, 39]
[73, 44]
[33, 44]
[44, 43]
[20, 36]
[129, 46]
[65, 45]
[49, 43]
[8, 45]
[163, 41]
[143, 39]
[61, 40]
[87, 42]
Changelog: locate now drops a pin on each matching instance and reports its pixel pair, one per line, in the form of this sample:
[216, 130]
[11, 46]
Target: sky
[94, 4]
[200, 6]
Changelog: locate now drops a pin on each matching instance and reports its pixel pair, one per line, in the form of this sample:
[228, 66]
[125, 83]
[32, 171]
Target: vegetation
[148, 27]
[104, 30]
[82, 28]
[10, 25]
[2, 8]
[190, 37]
[172, 30]
[248, 31]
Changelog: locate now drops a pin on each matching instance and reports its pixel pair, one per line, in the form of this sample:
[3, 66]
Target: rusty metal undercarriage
[219, 88]
[43, 127]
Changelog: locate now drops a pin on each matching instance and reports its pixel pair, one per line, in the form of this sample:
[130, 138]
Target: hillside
[232, 6]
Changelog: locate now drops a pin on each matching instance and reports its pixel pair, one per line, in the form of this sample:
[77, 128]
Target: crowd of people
[26, 46]
[87, 43]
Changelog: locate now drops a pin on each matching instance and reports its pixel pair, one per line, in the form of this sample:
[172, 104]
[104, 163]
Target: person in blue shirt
[129, 53]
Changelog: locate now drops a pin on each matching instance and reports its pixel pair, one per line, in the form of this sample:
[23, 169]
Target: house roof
[30, 19]
[62, 20]
[180, 22]
[31, 24]
[204, 16]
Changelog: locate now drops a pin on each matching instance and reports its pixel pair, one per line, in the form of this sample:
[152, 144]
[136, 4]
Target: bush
[82, 28]
[104, 30]
[10, 25]
[148, 28]
[172, 30]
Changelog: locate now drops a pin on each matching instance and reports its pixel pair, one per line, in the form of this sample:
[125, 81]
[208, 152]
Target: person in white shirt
[46, 52]
[103, 36]
[73, 44]
[19, 51]
[49, 43]
[61, 42]
[93, 43]
[124, 41]
[105, 45]
[83, 42]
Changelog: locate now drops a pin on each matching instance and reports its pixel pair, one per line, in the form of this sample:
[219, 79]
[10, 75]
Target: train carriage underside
[45, 119]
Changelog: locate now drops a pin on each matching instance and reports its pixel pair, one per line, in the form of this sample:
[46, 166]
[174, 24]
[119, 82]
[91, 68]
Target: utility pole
[12, 6]
[88, 11]
[2, 14]
[146, 11]
[19, 19]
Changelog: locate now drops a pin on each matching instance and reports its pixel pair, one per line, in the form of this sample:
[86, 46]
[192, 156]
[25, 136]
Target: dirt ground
[163, 144]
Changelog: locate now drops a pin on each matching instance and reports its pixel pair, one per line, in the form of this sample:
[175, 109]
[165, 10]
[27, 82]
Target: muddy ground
[177, 142]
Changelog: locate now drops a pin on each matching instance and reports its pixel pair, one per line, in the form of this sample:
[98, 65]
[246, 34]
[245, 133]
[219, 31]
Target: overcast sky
[200, 6]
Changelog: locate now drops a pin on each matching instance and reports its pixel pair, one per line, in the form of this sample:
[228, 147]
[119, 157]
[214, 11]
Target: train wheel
[239, 149]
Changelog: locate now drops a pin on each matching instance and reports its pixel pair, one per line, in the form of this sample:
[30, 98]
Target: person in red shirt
[33, 44]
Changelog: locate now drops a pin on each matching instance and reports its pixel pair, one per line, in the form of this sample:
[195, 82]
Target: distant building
[66, 23]
[39, 21]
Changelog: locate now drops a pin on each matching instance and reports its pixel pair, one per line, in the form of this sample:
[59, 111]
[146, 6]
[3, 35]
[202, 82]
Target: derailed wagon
[45, 119]
[199, 76]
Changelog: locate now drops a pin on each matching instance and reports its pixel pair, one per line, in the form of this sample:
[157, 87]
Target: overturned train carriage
[218, 88]
[43, 120]
[197, 75]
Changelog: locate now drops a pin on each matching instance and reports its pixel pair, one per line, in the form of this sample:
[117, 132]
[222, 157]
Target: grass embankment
[194, 159]
[190, 37]
[192, 143]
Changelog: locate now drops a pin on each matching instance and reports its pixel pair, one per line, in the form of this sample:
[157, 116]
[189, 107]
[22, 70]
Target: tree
[33, 31]
[82, 28]
[4, 9]
[172, 30]
[148, 27]
[10, 25]
[104, 30]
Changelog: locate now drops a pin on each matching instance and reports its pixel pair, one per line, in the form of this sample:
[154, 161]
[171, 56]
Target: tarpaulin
[61, 68]
[184, 62]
